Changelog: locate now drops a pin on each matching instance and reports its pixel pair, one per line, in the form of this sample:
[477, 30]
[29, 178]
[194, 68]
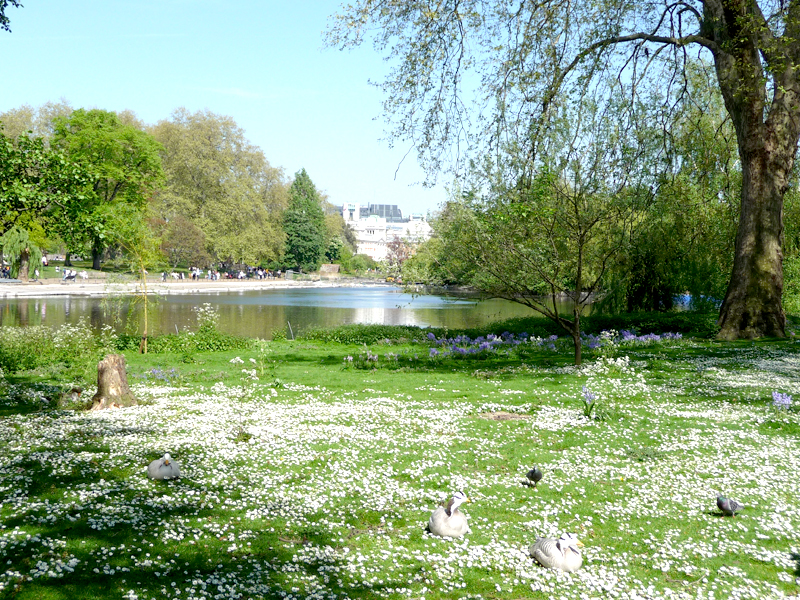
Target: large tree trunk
[112, 384]
[752, 305]
[24, 264]
[767, 127]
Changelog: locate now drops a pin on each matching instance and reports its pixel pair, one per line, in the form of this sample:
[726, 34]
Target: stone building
[378, 224]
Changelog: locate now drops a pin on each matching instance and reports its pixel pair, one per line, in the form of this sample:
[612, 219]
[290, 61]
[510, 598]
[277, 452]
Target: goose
[164, 468]
[447, 520]
[534, 476]
[728, 507]
[563, 554]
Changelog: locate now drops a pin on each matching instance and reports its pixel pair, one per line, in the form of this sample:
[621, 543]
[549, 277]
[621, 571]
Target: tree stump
[112, 384]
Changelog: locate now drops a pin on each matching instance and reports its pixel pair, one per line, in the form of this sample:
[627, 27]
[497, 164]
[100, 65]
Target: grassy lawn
[316, 479]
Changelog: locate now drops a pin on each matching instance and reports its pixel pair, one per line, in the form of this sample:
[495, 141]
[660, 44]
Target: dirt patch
[504, 416]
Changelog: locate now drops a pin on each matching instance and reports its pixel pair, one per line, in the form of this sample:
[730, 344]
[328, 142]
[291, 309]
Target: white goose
[447, 520]
[164, 468]
[563, 554]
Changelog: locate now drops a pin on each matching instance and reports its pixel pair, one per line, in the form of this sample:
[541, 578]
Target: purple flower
[781, 401]
[431, 336]
[588, 396]
[434, 353]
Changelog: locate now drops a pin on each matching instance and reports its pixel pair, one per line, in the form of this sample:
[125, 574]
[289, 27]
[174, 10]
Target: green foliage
[38, 184]
[222, 184]
[17, 246]
[304, 225]
[685, 240]
[361, 263]
[186, 343]
[363, 334]
[27, 348]
[124, 167]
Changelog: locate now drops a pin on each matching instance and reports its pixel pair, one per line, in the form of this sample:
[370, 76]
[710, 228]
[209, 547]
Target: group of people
[214, 275]
[5, 272]
[71, 274]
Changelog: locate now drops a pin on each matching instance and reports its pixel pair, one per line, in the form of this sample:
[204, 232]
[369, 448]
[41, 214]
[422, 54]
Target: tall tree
[304, 224]
[223, 185]
[39, 120]
[124, 165]
[527, 55]
[37, 183]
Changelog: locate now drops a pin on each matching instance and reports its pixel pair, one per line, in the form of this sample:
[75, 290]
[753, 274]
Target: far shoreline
[45, 289]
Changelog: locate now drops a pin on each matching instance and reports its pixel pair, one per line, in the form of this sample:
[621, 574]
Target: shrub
[26, 348]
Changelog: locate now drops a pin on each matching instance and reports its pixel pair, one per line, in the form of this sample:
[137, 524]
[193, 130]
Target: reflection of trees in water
[96, 316]
[245, 315]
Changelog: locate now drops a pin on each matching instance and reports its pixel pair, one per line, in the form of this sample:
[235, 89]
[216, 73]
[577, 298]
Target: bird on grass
[534, 476]
[563, 554]
[164, 468]
[728, 507]
[447, 520]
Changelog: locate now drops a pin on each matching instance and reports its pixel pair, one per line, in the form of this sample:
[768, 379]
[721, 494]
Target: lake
[259, 313]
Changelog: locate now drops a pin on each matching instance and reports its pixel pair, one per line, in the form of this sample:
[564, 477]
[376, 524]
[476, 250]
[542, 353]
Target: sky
[261, 62]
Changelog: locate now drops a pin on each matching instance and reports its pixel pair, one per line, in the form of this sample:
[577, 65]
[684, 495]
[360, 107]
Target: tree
[130, 230]
[223, 185]
[17, 245]
[304, 224]
[125, 169]
[397, 253]
[520, 58]
[4, 22]
[686, 239]
[38, 121]
[540, 238]
[184, 243]
[37, 183]
[550, 240]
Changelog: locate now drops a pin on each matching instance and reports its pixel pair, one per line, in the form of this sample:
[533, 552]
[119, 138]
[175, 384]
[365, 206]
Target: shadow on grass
[128, 533]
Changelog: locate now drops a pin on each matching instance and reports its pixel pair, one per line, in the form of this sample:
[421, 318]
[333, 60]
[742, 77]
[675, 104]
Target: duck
[164, 468]
[563, 554]
[447, 520]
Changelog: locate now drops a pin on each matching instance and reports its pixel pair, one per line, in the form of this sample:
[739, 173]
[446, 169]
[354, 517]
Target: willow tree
[516, 58]
[17, 245]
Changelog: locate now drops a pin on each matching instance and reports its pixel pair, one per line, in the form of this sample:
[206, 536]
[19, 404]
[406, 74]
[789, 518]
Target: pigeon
[728, 507]
[534, 476]
[563, 554]
[164, 468]
[448, 521]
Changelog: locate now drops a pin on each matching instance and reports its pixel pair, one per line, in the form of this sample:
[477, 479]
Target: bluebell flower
[588, 396]
[781, 401]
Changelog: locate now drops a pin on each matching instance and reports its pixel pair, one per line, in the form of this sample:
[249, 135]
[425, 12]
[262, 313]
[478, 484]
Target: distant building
[377, 224]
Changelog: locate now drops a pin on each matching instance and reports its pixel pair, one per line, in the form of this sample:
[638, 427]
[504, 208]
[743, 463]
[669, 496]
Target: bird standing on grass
[447, 520]
[728, 507]
[563, 554]
[534, 476]
[164, 468]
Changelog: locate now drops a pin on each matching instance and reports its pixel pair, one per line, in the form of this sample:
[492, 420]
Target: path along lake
[260, 313]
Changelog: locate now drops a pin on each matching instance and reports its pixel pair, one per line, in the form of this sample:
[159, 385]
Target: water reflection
[259, 313]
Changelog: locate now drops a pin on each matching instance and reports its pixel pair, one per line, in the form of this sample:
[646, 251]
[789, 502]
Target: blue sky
[261, 62]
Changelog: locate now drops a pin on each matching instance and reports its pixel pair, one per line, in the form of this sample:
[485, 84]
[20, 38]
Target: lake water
[259, 313]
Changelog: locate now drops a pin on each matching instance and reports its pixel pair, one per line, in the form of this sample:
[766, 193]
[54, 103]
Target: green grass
[317, 479]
